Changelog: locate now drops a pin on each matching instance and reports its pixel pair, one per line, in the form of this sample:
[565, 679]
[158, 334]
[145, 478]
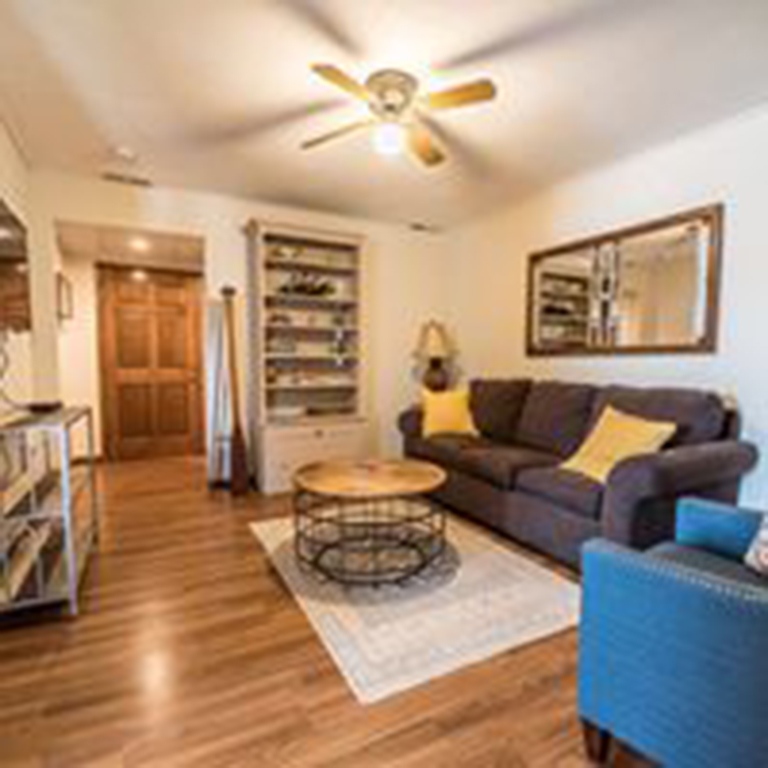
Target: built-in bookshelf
[308, 336]
[311, 293]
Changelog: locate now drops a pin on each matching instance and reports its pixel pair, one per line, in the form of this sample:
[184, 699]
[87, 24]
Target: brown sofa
[509, 477]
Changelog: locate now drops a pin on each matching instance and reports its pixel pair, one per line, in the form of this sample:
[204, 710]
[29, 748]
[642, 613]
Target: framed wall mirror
[648, 289]
[15, 313]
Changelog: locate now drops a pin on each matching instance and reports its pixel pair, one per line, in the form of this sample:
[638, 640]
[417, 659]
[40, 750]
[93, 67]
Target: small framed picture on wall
[65, 302]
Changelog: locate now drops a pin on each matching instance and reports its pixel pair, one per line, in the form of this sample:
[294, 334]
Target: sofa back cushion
[496, 406]
[556, 416]
[700, 416]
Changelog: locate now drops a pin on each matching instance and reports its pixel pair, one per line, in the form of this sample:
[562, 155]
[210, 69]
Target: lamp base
[436, 376]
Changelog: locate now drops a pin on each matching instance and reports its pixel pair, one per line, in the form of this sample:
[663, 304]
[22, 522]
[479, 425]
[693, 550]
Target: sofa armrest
[664, 477]
[720, 528]
[669, 654]
[410, 422]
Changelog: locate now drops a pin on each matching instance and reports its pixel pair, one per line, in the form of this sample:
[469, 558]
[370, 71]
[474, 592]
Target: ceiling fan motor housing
[392, 91]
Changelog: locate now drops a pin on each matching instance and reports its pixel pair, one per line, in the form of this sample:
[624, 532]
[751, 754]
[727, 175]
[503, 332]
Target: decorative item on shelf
[284, 252]
[307, 284]
[279, 318]
[339, 319]
[281, 345]
[434, 350]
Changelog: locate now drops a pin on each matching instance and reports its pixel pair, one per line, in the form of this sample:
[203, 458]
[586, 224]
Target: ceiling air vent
[421, 226]
[126, 178]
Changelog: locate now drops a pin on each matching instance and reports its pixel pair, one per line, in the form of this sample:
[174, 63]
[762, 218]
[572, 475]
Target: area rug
[483, 599]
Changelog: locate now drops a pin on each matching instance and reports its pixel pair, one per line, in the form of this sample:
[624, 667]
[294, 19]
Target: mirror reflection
[14, 279]
[651, 288]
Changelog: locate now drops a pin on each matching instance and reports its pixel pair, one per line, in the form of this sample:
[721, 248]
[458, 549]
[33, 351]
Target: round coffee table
[368, 522]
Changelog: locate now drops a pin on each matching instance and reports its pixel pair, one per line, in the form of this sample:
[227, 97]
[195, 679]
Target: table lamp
[435, 350]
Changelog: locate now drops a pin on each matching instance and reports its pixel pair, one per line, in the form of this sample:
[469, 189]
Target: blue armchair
[674, 645]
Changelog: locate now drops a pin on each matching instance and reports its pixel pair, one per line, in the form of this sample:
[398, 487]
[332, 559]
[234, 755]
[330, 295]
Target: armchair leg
[597, 742]
[622, 756]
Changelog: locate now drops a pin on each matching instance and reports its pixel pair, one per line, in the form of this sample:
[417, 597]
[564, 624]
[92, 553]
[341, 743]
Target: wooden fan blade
[336, 134]
[341, 80]
[423, 146]
[461, 95]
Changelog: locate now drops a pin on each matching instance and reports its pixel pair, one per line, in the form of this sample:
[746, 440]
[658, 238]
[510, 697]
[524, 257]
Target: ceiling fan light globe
[389, 139]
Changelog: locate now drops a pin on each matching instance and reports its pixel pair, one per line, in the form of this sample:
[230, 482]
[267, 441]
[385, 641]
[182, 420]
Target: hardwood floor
[190, 652]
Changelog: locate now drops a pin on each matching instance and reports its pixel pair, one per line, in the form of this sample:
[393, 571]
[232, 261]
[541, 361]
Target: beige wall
[406, 284]
[727, 162]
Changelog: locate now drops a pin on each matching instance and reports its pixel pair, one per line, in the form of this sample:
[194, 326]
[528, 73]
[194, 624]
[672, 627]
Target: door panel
[135, 410]
[151, 363]
[171, 339]
[133, 340]
[173, 409]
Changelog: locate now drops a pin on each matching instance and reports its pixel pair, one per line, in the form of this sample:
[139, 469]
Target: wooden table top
[369, 479]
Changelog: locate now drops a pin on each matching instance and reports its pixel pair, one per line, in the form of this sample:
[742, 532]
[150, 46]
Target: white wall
[14, 191]
[727, 162]
[406, 283]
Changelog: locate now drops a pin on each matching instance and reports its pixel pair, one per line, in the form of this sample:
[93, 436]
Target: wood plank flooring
[190, 652]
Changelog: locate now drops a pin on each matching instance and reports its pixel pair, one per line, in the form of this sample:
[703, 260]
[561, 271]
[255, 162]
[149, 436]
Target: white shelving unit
[48, 510]
[307, 330]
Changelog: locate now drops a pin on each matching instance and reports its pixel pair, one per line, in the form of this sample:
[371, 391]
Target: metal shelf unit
[49, 517]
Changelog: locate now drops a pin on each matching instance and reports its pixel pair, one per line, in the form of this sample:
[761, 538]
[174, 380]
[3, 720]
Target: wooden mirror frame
[710, 215]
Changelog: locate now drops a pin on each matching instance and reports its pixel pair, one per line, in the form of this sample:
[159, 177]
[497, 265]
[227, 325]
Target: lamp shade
[433, 342]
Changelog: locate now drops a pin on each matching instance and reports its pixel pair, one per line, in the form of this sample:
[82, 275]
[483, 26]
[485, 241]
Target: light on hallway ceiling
[389, 139]
[139, 244]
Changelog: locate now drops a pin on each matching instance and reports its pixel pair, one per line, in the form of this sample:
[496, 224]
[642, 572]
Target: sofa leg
[596, 742]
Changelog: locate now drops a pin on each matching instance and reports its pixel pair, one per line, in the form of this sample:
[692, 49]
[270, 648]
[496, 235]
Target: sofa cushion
[447, 413]
[708, 562]
[496, 464]
[616, 437]
[700, 416]
[496, 406]
[567, 489]
[555, 416]
[442, 448]
[501, 464]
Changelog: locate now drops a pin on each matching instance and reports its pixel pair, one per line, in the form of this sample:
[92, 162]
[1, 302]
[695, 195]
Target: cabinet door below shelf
[286, 449]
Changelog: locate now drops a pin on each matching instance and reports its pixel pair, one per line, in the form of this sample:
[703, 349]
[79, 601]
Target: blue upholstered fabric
[716, 527]
[673, 654]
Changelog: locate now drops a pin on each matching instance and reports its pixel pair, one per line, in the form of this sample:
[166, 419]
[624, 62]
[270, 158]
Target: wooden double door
[151, 362]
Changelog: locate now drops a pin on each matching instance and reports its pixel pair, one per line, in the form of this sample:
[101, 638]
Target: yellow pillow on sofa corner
[447, 412]
[615, 437]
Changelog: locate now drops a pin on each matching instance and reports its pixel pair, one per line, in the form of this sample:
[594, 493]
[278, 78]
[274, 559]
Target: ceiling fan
[396, 108]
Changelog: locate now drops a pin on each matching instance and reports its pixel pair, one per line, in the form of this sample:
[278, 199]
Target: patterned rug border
[563, 618]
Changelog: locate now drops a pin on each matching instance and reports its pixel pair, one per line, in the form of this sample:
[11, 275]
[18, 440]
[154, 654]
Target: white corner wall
[405, 283]
[727, 162]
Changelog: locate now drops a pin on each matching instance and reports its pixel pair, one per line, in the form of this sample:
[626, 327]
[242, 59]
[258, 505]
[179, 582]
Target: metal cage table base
[368, 541]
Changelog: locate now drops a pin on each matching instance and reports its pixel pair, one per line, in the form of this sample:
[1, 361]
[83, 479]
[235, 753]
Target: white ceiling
[218, 95]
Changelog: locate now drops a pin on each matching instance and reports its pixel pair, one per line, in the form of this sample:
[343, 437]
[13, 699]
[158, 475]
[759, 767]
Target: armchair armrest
[663, 477]
[410, 422]
[672, 659]
[720, 528]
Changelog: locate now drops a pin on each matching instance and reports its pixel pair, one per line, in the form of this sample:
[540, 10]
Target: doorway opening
[136, 330]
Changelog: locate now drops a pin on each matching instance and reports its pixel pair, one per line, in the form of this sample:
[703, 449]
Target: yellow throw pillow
[447, 412]
[615, 437]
